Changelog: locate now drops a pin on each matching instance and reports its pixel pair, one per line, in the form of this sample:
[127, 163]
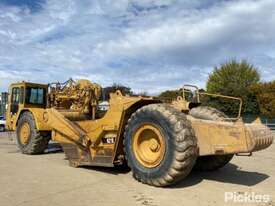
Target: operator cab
[25, 95]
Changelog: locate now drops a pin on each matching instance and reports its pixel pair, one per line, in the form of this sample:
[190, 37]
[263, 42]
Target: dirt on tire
[38, 141]
[181, 145]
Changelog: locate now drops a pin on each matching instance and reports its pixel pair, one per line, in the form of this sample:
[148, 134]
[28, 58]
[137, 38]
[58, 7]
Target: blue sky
[149, 45]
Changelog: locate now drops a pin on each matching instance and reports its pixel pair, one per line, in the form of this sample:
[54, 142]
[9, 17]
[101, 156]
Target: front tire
[29, 140]
[160, 145]
[211, 162]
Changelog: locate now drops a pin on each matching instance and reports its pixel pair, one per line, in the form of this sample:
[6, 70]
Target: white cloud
[148, 45]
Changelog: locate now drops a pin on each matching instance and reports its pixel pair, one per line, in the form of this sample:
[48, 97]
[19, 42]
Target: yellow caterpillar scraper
[161, 142]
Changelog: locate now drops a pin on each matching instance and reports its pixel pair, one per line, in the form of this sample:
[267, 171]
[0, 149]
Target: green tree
[111, 89]
[234, 79]
[170, 94]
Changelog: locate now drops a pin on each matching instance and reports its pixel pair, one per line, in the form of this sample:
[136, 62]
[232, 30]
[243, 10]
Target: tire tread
[185, 144]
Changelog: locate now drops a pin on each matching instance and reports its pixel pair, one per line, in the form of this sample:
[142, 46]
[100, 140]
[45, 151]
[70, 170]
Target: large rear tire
[29, 140]
[211, 162]
[160, 145]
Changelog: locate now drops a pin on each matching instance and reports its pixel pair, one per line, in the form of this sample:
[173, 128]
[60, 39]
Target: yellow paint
[149, 145]
[99, 139]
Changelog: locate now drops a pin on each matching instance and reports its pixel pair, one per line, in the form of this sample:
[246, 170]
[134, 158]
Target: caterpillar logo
[108, 140]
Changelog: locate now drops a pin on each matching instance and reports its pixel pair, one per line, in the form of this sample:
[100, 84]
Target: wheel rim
[24, 133]
[149, 145]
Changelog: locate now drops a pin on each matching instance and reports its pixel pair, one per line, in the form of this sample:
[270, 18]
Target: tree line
[233, 78]
[238, 79]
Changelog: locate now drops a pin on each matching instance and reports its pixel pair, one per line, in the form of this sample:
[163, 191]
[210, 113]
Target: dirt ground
[48, 180]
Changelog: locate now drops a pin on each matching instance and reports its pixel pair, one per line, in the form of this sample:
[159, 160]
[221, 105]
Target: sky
[148, 45]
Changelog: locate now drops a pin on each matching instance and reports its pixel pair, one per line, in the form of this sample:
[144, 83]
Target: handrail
[192, 86]
[227, 97]
[213, 95]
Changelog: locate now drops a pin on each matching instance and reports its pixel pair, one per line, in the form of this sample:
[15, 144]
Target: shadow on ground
[231, 173]
[110, 170]
[53, 147]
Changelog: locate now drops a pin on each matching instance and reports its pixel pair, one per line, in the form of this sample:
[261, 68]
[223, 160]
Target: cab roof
[32, 84]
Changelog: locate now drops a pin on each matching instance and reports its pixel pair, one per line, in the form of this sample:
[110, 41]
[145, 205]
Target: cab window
[15, 95]
[35, 95]
[21, 95]
[15, 98]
